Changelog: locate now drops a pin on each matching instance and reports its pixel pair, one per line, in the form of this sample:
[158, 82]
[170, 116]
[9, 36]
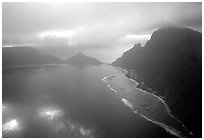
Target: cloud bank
[97, 29]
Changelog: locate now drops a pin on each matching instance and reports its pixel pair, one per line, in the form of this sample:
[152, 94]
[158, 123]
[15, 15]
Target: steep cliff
[171, 64]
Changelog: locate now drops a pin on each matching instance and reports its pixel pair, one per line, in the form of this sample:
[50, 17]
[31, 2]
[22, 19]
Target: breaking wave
[167, 128]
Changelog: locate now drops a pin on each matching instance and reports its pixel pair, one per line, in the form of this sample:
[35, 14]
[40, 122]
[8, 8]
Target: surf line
[159, 98]
[167, 128]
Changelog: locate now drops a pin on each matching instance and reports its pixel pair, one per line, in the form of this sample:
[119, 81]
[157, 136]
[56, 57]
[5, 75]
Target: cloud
[132, 38]
[92, 26]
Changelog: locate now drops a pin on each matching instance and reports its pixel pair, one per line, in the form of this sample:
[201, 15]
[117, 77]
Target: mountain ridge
[171, 64]
[12, 56]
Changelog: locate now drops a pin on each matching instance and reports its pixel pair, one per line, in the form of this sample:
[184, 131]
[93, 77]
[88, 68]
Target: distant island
[13, 56]
[170, 65]
[81, 60]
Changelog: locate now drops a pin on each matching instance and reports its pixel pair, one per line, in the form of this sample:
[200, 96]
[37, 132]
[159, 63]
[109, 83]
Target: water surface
[68, 101]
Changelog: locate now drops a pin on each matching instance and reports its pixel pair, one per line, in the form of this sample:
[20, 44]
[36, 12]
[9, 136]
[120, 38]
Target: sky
[100, 30]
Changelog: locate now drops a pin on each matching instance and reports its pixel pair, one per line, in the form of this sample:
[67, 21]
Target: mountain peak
[80, 54]
[171, 63]
[81, 59]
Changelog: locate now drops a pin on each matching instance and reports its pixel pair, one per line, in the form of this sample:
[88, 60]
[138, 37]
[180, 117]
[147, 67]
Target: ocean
[50, 101]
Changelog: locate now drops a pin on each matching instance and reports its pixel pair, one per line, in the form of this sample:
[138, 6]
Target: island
[81, 60]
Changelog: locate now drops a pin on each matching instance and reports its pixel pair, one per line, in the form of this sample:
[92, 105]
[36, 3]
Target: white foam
[128, 103]
[104, 79]
[167, 128]
[159, 98]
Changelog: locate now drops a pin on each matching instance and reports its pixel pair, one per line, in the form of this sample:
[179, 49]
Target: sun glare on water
[63, 126]
[11, 125]
[51, 113]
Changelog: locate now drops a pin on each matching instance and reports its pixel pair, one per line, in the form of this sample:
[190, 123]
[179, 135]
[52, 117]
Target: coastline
[168, 129]
[171, 130]
[131, 75]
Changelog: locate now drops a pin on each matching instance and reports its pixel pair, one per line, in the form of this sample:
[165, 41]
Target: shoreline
[131, 75]
[167, 128]
[141, 85]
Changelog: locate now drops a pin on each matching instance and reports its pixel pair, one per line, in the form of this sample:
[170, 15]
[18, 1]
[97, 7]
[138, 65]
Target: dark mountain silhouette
[81, 60]
[13, 56]
[171, 64]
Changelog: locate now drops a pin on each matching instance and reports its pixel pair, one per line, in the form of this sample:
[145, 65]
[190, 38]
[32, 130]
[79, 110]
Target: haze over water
[69, 101]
